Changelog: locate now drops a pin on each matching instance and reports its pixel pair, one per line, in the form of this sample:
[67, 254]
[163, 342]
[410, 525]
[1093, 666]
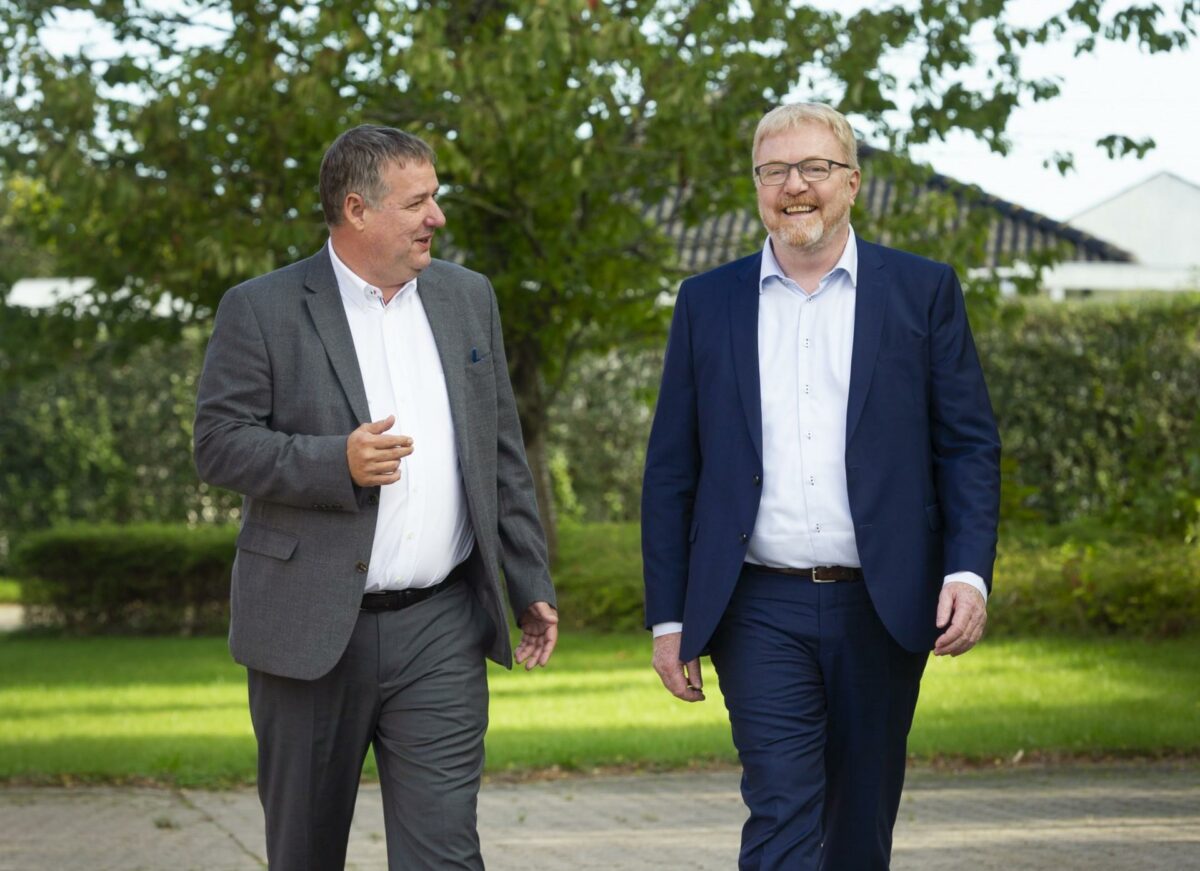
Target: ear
[353, 209]
[853, 181]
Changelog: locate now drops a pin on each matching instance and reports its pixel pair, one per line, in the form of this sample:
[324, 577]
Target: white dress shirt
[804, 347]
[805, 343]
[423, 530]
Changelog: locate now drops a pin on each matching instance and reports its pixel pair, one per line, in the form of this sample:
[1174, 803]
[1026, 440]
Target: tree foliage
[177, 147]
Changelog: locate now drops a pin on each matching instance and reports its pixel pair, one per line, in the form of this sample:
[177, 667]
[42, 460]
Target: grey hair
[792, 115]
[355, 162]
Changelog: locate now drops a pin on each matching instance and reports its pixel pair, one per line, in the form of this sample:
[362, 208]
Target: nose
[795, 181]
[436, 217]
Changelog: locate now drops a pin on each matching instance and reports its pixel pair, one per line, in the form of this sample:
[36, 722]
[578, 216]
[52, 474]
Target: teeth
[799, 210]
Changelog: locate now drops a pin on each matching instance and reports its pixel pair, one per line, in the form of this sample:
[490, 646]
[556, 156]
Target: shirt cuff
[667, 628]
[968, 578]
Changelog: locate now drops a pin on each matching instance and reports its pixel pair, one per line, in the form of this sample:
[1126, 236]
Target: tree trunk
[531, 406]
[535, 450]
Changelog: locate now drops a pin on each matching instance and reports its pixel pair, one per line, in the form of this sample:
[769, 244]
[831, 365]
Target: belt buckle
[817, 580]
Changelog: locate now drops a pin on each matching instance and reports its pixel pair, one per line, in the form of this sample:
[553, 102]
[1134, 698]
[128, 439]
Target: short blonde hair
[792, 115]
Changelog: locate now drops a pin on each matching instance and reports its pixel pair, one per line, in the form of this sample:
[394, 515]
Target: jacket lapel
[329, 317]
[870, 306]
[743, 333]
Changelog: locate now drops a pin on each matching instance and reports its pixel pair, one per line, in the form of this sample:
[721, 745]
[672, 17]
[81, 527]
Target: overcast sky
[1118, 89]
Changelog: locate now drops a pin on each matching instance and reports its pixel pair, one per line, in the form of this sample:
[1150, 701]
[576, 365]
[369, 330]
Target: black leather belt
[816, 574]
[394, 600]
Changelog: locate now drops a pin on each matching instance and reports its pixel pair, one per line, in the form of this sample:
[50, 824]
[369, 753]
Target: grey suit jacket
[281, 391]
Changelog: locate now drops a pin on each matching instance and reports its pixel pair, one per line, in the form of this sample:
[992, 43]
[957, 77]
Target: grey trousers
[413, 684]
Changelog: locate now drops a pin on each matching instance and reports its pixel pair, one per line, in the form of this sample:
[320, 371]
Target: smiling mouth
[799, 210]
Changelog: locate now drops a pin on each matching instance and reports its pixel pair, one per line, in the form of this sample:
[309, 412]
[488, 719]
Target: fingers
[374, 458]
[539, 635]
[535, 649]
[945, 607]
[969, 618]
[377, 427]
[686, 685]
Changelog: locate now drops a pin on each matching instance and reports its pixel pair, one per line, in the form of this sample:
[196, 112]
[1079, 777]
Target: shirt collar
[357, 290]
[847, 263]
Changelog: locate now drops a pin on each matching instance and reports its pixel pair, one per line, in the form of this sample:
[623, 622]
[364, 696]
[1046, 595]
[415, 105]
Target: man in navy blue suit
[820, 501]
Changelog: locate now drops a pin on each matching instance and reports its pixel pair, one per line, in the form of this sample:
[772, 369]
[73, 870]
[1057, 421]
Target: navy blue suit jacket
[922, 449]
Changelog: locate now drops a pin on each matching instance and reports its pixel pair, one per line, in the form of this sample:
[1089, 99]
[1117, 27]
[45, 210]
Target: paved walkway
[11, 617]
[1087, 818]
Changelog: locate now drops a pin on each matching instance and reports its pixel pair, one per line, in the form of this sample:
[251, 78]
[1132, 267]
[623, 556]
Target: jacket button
[758, 480]
[360, 567]
[745, 538]
[373, 499]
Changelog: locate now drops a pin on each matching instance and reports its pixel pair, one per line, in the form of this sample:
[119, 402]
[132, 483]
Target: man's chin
[798, 238]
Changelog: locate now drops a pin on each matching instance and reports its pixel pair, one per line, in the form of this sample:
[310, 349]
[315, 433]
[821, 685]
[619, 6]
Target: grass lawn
[175, 709]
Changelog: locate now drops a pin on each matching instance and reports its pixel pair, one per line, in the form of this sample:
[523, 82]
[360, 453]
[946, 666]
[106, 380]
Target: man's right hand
[374, 458]
[683, 681]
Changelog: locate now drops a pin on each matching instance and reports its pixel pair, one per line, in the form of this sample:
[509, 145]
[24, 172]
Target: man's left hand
[962, 612]
[539, 634]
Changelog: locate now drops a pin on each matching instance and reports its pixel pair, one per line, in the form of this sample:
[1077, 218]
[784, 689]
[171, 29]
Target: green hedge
[1098, 405]
[1142, 587]
[1099, 409]
[148, 579]
[598, 578]
[1071, 581]
[168, 579]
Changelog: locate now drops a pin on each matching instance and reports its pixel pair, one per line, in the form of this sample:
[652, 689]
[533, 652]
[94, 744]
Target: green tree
[182, 141]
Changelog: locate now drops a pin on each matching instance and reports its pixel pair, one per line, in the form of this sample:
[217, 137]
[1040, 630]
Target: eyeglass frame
[799, 167]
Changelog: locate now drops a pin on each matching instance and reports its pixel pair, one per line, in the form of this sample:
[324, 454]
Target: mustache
[786, 204]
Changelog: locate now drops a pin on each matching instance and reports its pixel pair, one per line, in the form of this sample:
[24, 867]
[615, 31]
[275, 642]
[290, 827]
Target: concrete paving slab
[1098, 818]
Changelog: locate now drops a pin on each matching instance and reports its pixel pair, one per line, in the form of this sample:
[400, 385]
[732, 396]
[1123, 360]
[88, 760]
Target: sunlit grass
[175, 709]
[10, 591]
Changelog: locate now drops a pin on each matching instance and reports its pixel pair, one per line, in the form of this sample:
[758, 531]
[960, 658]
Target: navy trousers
[820, 700]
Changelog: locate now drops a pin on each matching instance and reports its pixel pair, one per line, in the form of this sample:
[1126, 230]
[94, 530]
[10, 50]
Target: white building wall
[1158, 221]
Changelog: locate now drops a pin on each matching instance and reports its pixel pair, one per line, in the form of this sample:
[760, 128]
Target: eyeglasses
[817, 169]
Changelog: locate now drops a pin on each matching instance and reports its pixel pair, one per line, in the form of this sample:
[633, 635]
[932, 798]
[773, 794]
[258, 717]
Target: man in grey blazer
[360, 401]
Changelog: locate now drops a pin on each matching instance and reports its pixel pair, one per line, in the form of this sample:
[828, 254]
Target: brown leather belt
[816, 574]
[394, 600]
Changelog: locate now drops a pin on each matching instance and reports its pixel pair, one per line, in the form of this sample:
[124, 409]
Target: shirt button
[360, 567]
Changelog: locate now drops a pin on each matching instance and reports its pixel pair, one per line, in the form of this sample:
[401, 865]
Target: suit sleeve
[522, 540]
[671, 476]
[236, 448]
[966, 442]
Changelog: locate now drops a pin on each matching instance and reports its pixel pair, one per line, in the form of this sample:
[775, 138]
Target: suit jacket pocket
[267, 541]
